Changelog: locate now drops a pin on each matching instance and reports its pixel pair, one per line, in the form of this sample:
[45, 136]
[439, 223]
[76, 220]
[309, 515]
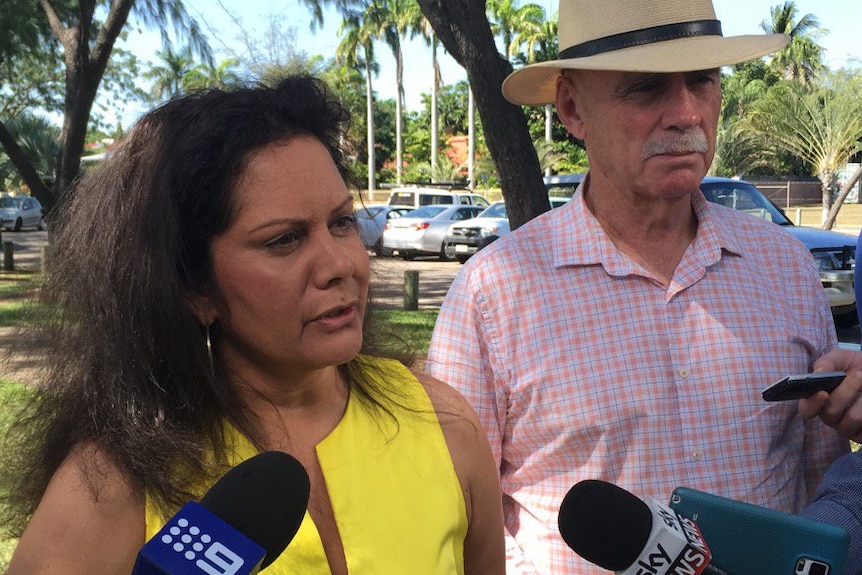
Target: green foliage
[821, 124]
[802, 58]
[39, 139]
[13, 396]
[452, 106]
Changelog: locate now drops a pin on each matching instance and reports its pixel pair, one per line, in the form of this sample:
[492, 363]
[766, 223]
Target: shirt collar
[591, 245]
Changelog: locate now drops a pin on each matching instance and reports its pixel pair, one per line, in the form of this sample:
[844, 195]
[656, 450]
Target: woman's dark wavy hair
[127, 367]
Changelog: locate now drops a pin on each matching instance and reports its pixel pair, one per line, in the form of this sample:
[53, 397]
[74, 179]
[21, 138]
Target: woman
[206, 293]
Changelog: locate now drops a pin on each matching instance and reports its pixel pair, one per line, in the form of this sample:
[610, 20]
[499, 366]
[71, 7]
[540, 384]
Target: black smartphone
[802, 385]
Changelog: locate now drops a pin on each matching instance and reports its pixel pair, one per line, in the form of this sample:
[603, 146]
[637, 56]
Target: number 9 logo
[222, 561]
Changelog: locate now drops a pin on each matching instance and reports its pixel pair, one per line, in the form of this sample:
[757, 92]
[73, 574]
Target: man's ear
[202, 308]
[568, 107]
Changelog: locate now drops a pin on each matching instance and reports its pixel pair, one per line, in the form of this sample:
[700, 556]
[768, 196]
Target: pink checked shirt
[581, 365]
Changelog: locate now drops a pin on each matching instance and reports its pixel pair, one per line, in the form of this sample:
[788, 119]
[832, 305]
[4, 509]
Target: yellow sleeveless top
[396, 498]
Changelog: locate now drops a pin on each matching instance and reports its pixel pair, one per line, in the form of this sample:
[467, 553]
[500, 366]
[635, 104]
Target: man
[627, 335]
[839, 501]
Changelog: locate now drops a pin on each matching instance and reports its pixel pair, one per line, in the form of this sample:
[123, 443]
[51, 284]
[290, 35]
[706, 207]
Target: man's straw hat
[636, 36]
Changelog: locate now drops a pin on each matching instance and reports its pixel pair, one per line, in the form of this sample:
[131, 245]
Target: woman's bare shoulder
[90, 520]
[451, 407]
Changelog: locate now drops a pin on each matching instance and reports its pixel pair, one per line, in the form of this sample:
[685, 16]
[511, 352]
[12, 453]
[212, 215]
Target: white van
[415, 197]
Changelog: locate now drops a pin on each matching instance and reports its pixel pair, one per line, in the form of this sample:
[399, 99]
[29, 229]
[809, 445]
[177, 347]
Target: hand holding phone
[802, 385]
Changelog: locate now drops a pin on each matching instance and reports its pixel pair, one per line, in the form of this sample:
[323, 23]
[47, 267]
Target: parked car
[372, 220]
[463, 239]
[422, 231]
[833, 251]
[416, 197]
[17, 212]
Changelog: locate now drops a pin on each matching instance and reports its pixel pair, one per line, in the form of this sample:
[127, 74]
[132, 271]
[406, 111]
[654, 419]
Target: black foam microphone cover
[605, 524]
[264, 498]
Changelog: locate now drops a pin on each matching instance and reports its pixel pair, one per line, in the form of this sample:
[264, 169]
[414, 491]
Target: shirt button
[696, 455]
[683, 372]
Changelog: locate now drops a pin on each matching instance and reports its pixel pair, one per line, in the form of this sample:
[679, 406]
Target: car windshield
[368, 212]
[497, 210]
[746, 198]
[426, 211]
[14, 203]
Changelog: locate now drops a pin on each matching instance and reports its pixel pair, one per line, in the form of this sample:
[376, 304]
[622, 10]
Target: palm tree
[801, 59]
[823, 126]
[503, 19]
[421, 26]
[167, 77]
[539, 35]
[208, 76]
[39, 139]
[393, 19]
[356, 34]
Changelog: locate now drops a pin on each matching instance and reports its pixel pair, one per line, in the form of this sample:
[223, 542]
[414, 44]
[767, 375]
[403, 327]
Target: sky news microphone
[240, 526]
[614, 529]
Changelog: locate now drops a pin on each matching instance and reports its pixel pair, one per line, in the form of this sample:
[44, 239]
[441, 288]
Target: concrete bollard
[411, 290]
[8, 257]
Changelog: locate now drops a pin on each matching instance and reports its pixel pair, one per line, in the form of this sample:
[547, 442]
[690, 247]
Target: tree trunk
[828, 181]
[38, 188]
[464, 30]
[471, 138]
[399, 112]
[549, 132]
[369, 95]
[839, 201]
[84, 71]
[435, 124]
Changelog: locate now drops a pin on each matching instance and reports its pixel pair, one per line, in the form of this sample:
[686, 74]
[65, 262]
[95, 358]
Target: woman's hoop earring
[209, 344]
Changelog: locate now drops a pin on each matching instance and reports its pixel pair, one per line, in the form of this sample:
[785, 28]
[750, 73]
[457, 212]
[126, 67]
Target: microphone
[241, 525]
[614, 529]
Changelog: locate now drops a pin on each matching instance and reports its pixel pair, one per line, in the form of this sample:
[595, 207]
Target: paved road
[27, 246]
[387, 281]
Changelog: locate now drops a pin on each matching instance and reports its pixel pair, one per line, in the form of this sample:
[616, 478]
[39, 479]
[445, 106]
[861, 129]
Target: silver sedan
[422, 231]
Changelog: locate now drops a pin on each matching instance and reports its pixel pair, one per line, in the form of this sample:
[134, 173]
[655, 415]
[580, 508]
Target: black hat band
[643, 36]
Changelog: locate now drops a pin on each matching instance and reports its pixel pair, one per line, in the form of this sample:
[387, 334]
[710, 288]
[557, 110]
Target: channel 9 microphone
[614, 529]
[240, 526]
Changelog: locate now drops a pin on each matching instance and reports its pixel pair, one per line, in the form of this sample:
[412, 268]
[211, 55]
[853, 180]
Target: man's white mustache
[690, 141]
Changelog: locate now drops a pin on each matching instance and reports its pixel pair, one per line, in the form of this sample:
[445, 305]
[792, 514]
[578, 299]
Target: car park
[834, 252]
[418, 196]
[463, 239]
[422, 231]
[371, 221]
[18, 212]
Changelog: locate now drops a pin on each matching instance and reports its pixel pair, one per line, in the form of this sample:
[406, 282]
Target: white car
[17, 212]
[463, 239]
[421, 231]
[372, 220]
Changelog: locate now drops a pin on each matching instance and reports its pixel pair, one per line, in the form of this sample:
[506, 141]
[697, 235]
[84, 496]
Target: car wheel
[444, 257]
[409, 256]
[462, 259]
[380, 250]
[18, 224]
[845, 320]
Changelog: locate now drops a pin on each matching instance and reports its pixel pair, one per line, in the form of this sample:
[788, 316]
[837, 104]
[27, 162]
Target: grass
[849, 217]
[12, 397]
[414, 327]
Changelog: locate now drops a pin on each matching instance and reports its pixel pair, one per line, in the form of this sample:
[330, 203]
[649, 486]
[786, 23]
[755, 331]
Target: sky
[220, 20]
